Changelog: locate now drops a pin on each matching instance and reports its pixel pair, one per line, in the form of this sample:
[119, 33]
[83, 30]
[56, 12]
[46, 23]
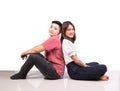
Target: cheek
[67, 33]
[70, 34]
[56, 32]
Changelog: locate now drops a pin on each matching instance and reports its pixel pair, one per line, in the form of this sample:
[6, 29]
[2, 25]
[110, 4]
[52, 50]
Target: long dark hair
[64, 29]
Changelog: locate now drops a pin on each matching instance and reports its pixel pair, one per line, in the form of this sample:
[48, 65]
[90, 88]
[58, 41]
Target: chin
[52, 35]
[71, 36]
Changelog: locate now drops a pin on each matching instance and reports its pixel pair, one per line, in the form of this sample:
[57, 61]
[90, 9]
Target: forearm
[30, 51]
[78, 61]
[36, 49]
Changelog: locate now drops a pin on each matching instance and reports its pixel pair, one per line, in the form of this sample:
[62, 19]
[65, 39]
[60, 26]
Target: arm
[78, 61]
[36, 49]
[70, 50]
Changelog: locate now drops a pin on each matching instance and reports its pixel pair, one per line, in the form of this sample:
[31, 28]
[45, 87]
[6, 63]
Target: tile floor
[36, 82]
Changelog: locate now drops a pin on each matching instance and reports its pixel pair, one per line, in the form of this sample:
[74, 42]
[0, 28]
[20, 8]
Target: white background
[25, 23]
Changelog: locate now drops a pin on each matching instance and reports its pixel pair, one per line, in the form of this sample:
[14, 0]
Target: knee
[95, 62]
[104, 68]
[32, 56]
[35, 56]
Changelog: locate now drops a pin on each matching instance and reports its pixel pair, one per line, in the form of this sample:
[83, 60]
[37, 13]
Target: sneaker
[17, 76]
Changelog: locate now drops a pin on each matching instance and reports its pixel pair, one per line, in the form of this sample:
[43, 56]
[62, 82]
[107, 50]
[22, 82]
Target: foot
[104, 78]
[17, 76]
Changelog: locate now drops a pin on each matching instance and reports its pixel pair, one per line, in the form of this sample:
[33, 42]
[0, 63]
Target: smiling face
[54, 29]
[70, 32]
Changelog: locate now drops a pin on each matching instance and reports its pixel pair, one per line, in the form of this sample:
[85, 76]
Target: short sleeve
[68, 47]
[51, 43]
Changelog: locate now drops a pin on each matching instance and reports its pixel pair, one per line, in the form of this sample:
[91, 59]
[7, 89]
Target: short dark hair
[58, 23]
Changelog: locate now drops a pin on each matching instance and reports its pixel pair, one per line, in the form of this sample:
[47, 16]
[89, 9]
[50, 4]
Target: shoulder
[66, 41]
[51, 40]
[54, 37]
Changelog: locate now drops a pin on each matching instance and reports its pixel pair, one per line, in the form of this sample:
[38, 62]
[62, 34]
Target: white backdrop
[25, 23]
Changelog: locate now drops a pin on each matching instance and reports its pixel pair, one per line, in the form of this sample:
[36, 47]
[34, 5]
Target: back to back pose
[77, 69]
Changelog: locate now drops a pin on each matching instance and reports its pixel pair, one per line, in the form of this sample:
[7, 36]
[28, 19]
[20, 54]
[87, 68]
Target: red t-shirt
[54, 54]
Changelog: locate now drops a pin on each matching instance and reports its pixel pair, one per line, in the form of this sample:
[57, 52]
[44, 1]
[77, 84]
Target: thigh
[86, 73]
[45, 67]
[96, 69]
[92, 72]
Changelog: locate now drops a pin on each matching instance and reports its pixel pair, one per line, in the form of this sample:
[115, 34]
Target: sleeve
[69, 48]
[50, 43]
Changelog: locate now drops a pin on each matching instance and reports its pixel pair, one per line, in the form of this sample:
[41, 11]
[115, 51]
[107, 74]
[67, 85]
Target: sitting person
[51, 65]
[77, 69]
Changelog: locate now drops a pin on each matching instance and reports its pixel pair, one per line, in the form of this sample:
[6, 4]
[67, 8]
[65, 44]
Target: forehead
[70, 26]
[55, 25]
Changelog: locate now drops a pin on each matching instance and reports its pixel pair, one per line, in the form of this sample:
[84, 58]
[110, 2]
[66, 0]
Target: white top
[68, 49]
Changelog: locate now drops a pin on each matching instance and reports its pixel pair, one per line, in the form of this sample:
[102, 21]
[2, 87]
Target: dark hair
[64, 29]
[58, 23]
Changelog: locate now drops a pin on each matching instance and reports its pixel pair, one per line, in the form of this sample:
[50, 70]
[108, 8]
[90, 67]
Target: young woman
[76, 68]
[51, 65]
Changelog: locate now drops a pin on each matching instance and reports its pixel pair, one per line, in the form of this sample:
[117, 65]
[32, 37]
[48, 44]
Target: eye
[55, 28]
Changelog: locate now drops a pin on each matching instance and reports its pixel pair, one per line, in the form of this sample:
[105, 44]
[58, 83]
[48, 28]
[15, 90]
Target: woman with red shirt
[51, 65]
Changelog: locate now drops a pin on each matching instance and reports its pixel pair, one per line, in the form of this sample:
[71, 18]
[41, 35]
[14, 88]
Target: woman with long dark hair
[76, 68]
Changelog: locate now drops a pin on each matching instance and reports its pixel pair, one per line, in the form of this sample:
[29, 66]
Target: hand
[87, 65]
[23, 56]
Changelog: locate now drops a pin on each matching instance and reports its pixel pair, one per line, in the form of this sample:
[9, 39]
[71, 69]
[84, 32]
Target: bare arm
[78, 61]
[36, 49]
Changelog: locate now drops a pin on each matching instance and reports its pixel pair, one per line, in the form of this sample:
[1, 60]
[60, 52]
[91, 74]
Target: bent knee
[103, 68]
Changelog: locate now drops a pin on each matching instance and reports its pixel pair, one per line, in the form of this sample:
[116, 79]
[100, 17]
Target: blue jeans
[43, 65]
[93, 72]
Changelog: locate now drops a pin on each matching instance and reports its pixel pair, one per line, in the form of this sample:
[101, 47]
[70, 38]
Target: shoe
[51, 78]
[17, 76]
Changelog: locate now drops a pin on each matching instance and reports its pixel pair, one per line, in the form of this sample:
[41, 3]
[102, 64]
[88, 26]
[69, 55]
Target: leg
[91, 73]
[24, 69]
[104, 77]
[44, 66]
[92, 63]
[87, 73]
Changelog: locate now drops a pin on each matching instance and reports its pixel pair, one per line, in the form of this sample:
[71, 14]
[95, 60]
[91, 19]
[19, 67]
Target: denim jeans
[43, 65]
[93, 72]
